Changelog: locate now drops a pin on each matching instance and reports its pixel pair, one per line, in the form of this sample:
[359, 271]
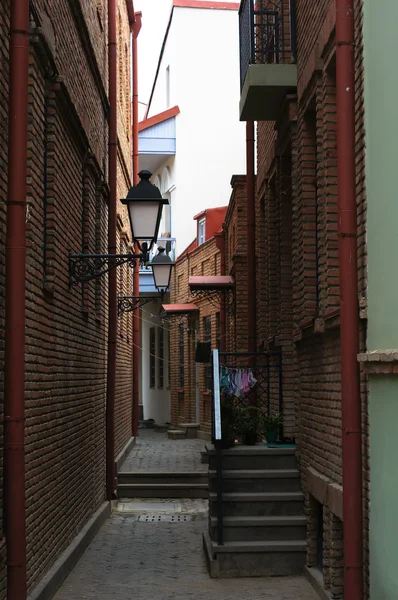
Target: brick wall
[202, 260]
[298, 273]
[4, 29]
[66, 345]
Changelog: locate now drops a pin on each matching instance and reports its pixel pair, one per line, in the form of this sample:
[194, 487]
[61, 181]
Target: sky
[155, 16]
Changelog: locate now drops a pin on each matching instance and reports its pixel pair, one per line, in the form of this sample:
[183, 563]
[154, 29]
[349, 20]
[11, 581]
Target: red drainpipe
[14, 370]
[220, 243]
[136, 273]
[251, 239]
[349, 320]
[112, 305]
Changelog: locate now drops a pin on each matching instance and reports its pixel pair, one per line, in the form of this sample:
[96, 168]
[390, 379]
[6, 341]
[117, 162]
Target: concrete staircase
[263, 514]
[162, 485]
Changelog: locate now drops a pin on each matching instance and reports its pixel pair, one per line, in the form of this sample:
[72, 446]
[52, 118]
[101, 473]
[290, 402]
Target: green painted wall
[381, 119]
[381, 114]
[383, 412]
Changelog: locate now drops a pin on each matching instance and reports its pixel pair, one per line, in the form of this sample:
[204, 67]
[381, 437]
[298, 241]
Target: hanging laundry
[236, 381]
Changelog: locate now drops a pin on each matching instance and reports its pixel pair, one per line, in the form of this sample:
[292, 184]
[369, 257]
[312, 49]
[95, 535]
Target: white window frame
[201, 234]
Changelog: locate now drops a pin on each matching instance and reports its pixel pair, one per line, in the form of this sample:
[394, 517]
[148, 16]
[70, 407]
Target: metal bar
[281, 397]
[220, 525]
[293, 35]
[15, 293]
[217, 405]
[112, 241]
[349, 314]
[217, 443]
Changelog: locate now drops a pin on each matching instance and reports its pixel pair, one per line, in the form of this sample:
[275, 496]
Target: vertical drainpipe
[251, 239]
[220, 243]
[14, 370]
[349, 319]
[136, 272]
[112, 282]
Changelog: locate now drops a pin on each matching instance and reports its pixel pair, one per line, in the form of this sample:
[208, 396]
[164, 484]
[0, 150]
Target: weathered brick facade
[298, 274]
[66, 336]
[204, 259]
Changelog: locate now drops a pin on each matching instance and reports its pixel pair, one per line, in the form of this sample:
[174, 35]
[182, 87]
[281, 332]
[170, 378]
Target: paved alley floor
[154, 452]
[138, 557]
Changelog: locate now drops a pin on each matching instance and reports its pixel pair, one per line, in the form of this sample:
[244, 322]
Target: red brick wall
[66, 343]
[203, 260]
[298, 274]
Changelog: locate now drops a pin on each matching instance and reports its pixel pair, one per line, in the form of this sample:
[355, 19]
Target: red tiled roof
[206, 4]
[212, 282]
[171, 309]
[159, 118]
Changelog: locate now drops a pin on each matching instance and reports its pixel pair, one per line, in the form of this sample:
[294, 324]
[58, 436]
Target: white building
[191, 140]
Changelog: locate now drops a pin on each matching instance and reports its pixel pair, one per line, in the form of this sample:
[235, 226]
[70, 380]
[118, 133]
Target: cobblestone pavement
[162, 560]
[154, 452]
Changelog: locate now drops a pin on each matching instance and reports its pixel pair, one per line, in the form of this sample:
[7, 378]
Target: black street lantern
[162, 266]
[145, 204]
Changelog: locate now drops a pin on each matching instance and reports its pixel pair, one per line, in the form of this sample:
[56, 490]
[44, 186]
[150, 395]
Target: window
[201, 231]
[160, 358]
[168, 87]
[207, 338]
[181, 355]
[152, 357]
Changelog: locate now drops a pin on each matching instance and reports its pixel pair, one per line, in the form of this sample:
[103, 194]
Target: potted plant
[247, 424]
[228, 421]
[271, 425]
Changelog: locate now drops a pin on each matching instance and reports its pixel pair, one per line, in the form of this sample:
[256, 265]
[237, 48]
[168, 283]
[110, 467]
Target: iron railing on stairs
[266, 395]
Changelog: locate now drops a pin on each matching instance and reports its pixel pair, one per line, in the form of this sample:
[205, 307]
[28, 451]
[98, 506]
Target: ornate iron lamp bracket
[131, 303]
[85, 267]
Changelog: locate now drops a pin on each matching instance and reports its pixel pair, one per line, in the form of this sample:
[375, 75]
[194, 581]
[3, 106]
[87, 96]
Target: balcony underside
[265, 89]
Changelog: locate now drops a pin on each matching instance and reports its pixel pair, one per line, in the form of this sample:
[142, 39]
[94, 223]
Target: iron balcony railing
[170, 246]
[267, 33]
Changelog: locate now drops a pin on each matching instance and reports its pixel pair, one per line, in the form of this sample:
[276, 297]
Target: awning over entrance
[180, 309]
[213, 282]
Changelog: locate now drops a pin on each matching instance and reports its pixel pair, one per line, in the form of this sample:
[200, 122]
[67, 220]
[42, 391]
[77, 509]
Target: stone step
[176, 434]
[161, 427]
[191, 429]
[164, 477]
[204, 457]
[258, 504]
[254, 457]
[260, 528]
[162, 490]
[255, 559]
[257, 480]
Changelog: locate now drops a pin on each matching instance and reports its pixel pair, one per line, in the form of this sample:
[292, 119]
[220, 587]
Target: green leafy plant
[272, 422]
[271, 425]
[228, 418]
[248, 420]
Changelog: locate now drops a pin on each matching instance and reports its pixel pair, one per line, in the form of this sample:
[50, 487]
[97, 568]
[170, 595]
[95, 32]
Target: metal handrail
[217, 429]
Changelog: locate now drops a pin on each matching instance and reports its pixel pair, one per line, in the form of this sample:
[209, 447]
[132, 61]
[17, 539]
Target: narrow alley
[198, 330]
[151, 549]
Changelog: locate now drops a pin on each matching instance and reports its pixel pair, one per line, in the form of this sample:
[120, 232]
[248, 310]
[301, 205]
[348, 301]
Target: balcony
[267, 34]
[146, 277]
